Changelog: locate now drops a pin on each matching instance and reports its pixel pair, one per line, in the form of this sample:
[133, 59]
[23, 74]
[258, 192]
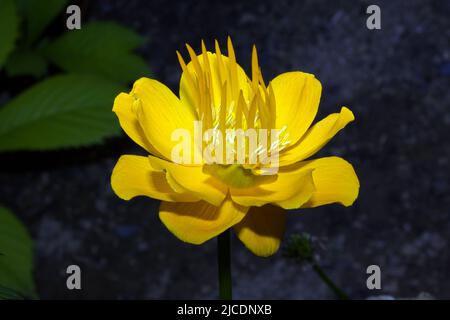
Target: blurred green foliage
[16, 259]
[99, 47]
[300, 247]
[9, 26]
[75, 77]
[68, 111]
[86, 69]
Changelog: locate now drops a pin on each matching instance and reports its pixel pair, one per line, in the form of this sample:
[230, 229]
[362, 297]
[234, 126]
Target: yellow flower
[202, 199]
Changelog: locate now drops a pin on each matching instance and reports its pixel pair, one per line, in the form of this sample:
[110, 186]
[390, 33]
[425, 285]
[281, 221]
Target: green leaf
[62, 111]
[16, 258]
[9, 28]
[25, 62]
[38, 15]
[102, 48]
[10, 294]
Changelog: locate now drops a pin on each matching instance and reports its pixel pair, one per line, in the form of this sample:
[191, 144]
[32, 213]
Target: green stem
[223, 260]
[339, 293]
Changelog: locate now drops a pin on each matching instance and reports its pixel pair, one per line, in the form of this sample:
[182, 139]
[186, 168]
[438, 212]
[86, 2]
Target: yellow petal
[290, 190]
[316, 137]
[220, 72]
[297, 97]
[160, 113]
[262, 229]
[133, 176]
[197, 222]
[123, 108]
[192, 180]
[335, 181]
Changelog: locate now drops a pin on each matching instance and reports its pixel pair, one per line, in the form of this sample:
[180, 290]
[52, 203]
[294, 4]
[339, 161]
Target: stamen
[251, 120]
[192, 87]
[239, 111]
[208, 71]
[223, 107]
[223, 74]
[255, 69]
[233, 70]
[272, 107]
[200, 79]
[233, 107]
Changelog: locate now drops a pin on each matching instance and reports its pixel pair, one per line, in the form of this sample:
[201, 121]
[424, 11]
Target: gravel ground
[395, 80]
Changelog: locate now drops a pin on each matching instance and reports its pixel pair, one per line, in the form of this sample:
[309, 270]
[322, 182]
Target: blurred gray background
[396, 81]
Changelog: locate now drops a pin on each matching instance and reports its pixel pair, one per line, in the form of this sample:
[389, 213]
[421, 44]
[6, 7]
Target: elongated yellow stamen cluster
[224, 100]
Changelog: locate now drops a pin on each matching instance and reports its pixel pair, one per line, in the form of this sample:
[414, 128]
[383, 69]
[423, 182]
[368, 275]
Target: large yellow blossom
[202, 200]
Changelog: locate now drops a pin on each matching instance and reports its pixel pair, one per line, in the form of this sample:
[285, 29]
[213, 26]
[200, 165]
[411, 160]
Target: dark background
[396, 81]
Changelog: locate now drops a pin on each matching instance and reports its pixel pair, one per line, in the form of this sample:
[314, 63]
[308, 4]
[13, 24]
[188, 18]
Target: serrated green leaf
[38, 15]
[62, 111]
[16, 258]
[9, 28]
[26, 63]
[99, 48]
[106, 35]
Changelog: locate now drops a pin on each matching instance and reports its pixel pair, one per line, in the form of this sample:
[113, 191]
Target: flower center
[236, 175]
[225, 98]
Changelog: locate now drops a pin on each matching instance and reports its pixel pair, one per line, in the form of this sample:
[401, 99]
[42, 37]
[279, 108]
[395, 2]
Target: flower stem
[339, 293]
[223, 260]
